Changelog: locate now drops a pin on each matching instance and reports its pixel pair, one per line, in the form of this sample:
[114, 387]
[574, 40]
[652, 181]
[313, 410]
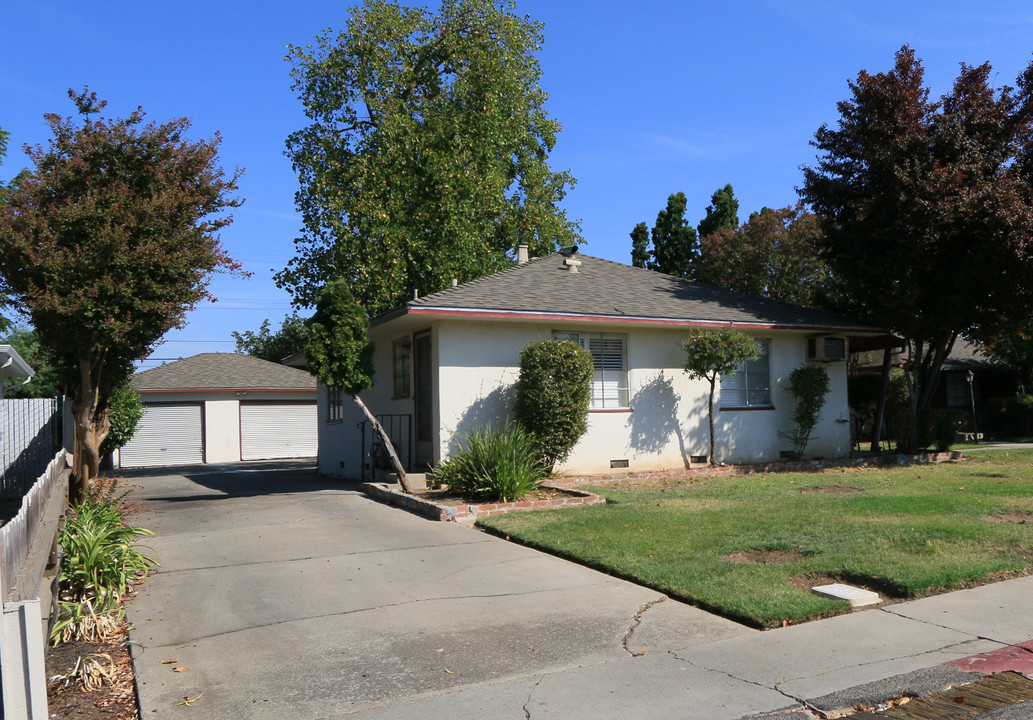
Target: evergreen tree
[722, 213]
[675, 247]
[640, 245]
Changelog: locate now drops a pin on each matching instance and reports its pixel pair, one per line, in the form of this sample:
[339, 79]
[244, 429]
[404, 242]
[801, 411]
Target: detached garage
[219, 408]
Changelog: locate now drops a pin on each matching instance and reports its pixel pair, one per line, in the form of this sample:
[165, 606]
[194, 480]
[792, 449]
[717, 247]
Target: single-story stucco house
[221, 408]
[446, 363]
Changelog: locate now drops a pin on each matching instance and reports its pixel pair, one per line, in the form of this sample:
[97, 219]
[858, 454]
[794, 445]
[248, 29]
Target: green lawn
[906, 532]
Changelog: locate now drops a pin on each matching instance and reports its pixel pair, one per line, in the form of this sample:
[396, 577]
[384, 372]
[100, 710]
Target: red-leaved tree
[106, 244]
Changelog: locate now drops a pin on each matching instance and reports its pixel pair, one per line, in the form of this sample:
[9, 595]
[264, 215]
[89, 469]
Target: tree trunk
[710, 416]
[880, 408]
[384, 438]
[91, 425]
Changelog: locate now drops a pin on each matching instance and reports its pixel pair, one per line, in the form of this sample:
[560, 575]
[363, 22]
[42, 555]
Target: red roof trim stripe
[231, 389]
[670, 322]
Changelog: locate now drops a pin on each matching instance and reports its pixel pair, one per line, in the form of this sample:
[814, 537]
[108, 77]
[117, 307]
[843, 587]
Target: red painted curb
[1016, 658]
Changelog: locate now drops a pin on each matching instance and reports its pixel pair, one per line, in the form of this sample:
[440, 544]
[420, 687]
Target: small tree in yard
[124, 410]
[105, 245]
[808, 384]
[716, 351]
[340, 354]
[552, 396]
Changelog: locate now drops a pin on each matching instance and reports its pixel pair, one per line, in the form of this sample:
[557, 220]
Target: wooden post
[388, 445]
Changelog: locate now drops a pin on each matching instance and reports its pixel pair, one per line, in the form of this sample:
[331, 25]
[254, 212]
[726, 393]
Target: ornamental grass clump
[100, 563]
[494, 465]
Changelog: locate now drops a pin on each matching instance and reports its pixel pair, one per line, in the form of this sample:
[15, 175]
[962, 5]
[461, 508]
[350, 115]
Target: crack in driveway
[637, 617]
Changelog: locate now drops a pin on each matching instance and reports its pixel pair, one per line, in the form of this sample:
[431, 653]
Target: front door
[423, 399]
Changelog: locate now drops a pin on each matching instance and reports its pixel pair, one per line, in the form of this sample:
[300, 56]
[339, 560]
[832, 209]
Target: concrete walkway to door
[284, 595]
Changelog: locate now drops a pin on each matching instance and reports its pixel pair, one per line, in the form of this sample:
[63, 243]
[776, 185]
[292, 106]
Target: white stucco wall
[340, 453]
[667, 422]
[475, 365]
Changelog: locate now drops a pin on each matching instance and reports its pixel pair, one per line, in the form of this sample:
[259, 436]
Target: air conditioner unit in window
[826, 349]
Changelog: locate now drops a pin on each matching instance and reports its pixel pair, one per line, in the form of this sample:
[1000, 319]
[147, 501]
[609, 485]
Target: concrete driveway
[284, 595]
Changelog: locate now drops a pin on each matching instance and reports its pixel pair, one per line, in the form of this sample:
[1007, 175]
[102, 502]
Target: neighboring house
[219, 408]
[13, 366]
[990, 378]
[446, 363]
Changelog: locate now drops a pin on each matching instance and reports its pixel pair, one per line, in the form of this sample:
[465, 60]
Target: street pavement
[285, 595]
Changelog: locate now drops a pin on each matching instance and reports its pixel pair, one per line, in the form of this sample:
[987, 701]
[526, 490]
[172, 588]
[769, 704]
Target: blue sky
[654, 98]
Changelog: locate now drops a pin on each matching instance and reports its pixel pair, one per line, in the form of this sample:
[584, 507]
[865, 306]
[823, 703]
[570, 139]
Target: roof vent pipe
[454, 282]
[521, 253]
[572, 265]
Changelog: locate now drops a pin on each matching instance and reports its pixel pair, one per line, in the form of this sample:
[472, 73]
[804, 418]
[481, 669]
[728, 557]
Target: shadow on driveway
[243, 479]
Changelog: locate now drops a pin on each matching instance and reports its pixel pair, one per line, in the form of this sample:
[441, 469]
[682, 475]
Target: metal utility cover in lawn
[857, 597]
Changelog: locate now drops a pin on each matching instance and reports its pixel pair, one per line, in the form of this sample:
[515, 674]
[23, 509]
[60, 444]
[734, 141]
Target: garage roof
[223, 371]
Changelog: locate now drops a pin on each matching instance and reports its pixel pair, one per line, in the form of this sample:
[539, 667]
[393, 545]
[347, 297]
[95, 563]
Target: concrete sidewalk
[285, 595]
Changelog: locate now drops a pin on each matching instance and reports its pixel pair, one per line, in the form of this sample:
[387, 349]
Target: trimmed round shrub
[552, 396]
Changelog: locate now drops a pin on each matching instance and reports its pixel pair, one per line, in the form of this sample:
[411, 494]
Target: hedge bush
[552, 396]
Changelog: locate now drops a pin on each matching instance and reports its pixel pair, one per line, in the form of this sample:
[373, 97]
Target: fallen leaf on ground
[179, 669]
[188, 701]
[170, 661]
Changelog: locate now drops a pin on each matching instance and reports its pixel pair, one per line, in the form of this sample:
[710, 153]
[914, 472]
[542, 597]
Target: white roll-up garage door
[166, 435]
[278, 430]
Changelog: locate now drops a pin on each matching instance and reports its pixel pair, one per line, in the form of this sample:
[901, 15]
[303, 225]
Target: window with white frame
[335, 405]
[610, 360]
[750, 386]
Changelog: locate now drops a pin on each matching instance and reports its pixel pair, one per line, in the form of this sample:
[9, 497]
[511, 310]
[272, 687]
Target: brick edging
[471, 512]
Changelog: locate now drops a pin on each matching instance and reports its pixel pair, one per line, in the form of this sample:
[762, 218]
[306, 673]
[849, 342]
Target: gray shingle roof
[609, 289]
[223, 371]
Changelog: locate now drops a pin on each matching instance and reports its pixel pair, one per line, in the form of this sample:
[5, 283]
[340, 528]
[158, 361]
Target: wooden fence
[16, 536]
[28, 541]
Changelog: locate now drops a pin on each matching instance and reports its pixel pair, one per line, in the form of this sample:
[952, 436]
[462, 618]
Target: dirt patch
[831, 489]
[765, 557]
[1021, 517]
[114, 700]
[448, 498]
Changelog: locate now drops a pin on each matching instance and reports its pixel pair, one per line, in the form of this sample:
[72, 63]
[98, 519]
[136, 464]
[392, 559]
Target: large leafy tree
[775, 254]
[926, 207]
[105, 244]
[675, 247]
[290, 339]
[426, 156]
[722, 212]
[1015, 349]
[340, 355]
